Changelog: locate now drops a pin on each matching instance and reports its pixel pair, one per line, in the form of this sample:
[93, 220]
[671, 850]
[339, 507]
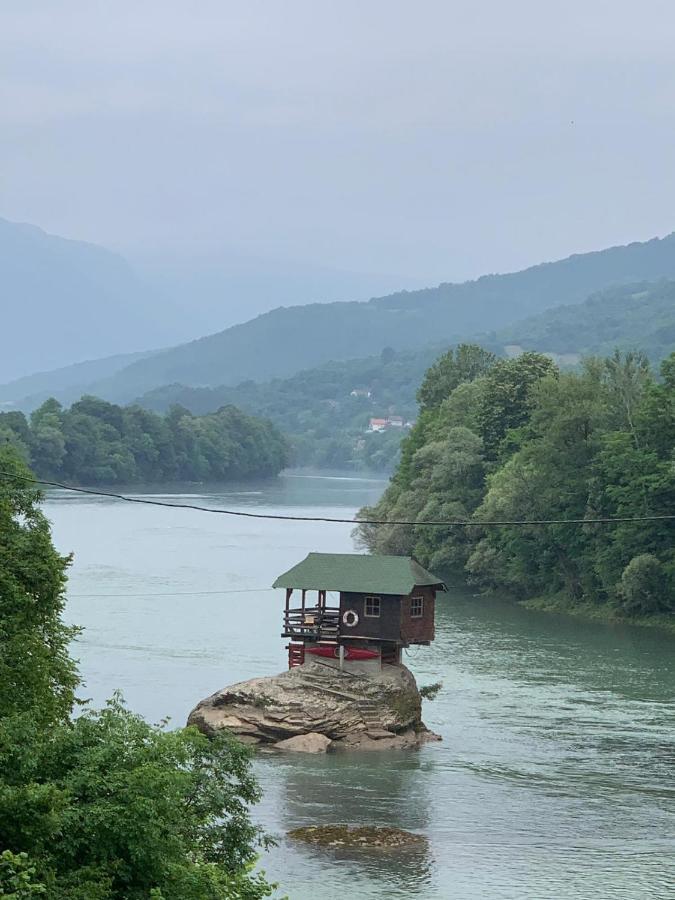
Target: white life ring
[350, 618]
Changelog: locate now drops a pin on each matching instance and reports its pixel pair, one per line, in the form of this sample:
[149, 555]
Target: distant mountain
[225, 286]
[66, 383]
[321, 406]
[325, 410]
[64, 301]
[289, 339]
[637, 316]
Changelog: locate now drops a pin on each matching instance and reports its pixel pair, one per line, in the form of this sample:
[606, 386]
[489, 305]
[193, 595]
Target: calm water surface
[555, 775]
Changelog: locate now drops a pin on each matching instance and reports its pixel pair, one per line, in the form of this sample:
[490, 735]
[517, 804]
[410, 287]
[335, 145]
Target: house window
[372, 608]
[416, 607]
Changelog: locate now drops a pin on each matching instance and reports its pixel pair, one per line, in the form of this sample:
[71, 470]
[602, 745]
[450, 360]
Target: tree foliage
[524, 441]
[101, 806]
[95, 442]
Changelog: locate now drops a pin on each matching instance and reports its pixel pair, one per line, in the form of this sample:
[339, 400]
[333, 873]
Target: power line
[175, 593]
[457, 523]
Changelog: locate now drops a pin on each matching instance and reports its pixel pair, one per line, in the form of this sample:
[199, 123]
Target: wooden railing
[312, 622]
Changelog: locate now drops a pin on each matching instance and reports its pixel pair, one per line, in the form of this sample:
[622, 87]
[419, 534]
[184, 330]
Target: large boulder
[378, 711]
[305, 743]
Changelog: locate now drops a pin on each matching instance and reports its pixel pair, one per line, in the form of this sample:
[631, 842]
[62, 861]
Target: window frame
[372, 615]
[413, 607]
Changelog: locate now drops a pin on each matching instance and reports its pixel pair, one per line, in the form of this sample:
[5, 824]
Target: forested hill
[508, 440]
[95, 442]
[628, 317]
[325, 410]
[287, 340]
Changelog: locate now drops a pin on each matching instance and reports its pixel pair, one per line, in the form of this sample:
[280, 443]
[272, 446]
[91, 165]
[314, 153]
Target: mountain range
[544, 306]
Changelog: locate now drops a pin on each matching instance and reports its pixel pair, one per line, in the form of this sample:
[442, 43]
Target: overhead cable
[452, 523]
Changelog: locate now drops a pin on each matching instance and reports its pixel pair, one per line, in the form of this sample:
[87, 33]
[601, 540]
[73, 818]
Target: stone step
[327, 690]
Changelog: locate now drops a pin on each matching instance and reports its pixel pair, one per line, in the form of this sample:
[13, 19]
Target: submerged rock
[306, 743]
[365, 836]
[362, 712]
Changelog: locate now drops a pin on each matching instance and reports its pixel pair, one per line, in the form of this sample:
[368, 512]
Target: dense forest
[503, 440]
[98, 804]
[95, 442]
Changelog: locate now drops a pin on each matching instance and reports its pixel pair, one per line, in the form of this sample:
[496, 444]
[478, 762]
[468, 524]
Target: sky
[434, 141]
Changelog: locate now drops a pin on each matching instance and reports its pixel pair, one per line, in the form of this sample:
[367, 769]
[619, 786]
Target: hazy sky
[433, 139]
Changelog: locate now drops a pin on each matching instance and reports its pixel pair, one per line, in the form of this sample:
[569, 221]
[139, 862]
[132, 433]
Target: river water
[555, 777]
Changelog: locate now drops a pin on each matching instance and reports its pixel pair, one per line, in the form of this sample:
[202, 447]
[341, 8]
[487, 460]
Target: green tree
[103, 806]
[466, 363]
[507, 400]
[36, 671]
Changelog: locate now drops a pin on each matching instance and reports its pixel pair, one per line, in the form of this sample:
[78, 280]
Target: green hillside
[289, 339]
[633, 316]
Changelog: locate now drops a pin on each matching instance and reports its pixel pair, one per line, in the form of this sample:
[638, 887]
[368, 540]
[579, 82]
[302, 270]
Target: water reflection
[355, 789]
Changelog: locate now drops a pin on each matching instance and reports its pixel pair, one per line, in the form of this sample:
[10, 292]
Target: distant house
[395, 421]
[361, 392]
[377, 425]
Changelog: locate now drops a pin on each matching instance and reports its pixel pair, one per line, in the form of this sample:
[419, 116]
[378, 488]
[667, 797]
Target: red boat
[350, 652]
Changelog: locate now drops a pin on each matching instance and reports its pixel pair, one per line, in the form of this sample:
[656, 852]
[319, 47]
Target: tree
[36, 671]
[644, 587]
[102, 806]
[507, 400]
[466, 363]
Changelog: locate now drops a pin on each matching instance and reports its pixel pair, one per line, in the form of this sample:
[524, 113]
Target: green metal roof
[358, 573]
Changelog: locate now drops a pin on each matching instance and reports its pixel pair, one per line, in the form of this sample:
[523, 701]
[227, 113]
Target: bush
[643, 587]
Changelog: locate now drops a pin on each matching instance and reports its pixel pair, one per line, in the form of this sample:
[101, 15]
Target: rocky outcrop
[375, 712]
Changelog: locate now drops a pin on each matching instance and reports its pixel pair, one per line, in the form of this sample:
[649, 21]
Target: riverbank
[593, 612]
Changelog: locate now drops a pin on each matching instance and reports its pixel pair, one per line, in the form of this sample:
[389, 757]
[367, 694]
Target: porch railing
[318, 622]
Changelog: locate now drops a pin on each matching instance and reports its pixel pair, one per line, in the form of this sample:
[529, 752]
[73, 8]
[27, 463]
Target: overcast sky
[438, 140]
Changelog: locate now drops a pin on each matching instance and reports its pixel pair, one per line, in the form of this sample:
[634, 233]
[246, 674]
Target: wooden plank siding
[395, 622]
[418, 630]
[385, 628]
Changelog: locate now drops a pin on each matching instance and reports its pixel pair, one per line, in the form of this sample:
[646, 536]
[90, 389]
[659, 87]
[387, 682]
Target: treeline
[95, 442]
[504, 440]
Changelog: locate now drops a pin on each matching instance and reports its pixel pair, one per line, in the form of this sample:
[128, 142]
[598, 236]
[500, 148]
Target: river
[555, 776]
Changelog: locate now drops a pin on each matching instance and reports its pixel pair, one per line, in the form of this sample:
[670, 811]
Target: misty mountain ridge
[71, 301]
[289, 339]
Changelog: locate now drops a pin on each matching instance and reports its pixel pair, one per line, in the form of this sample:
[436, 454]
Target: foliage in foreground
[101, 806]
[95, 442]
[501, 440]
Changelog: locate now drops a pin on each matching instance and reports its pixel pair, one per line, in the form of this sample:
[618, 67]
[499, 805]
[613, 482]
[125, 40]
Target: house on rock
[357, 612]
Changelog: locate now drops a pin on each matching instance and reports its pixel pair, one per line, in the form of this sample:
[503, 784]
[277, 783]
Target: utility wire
[176, 593]
[458, 523]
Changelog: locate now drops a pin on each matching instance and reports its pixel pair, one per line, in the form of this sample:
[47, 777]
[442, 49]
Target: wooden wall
[386, 628]
[395, 622]
[422, 629]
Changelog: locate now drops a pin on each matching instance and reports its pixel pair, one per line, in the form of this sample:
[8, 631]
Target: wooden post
[342, 655]
[303, 602]
[289, 591]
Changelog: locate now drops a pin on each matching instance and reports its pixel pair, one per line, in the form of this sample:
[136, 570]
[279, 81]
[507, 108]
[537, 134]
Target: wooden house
[357, 609]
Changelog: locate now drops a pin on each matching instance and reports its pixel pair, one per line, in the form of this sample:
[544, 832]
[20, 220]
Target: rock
[361, 836]
[375, 711]
[305, 743]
